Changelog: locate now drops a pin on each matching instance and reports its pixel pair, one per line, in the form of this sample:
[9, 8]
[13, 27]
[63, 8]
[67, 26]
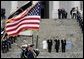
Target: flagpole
[37, 38]
[37, 42]
[32, 39]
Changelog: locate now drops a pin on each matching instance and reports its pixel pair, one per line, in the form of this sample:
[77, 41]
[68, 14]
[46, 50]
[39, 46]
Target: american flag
[27, 20]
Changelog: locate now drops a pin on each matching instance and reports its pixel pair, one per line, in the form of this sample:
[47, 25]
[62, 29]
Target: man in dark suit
[7, 45]
[3, 46]
[49, 42]
[57, 44]
[9, 41]
[59, 13]
[62, 11]
[63, 42]
[65, 15]
[12, 40]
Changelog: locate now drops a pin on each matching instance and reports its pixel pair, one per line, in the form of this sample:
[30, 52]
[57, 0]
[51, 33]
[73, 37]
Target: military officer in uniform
[57, 44]
[63, 44]
[49, 42]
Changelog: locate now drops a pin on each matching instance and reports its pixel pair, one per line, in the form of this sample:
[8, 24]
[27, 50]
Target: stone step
[67, 28]
[60, 55]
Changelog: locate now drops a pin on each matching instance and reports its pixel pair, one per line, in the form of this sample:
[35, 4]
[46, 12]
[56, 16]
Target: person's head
[63, 38]
[30, 46]
[73, 8]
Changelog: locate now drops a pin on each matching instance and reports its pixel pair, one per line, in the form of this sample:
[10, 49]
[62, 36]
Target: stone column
[55, 9]
[50, 9]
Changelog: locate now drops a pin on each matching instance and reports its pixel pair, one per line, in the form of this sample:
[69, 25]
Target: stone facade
[64, 28]
[53, 6]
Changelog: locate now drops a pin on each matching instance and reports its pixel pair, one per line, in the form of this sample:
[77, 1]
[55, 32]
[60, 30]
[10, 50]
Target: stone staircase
[64, 28]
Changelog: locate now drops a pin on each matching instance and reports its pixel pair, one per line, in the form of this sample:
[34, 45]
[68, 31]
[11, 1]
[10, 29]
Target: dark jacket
[71, 12]
[63, 43]
[49, 42]
[29, 54]
[57, 43]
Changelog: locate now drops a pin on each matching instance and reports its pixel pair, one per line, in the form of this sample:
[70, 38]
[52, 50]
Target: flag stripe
[29, 25]
[27, 17]
[22, 21]
[16, 19]
[20, 29]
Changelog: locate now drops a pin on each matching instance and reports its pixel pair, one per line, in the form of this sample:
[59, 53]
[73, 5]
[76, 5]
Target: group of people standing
[49, 43]
[62, 14]
[74, 11]
[78, 15]
[57, 45]
[27, 52]
[6, 43]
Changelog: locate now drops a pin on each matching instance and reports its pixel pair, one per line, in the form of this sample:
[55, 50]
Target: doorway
[45, 10]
